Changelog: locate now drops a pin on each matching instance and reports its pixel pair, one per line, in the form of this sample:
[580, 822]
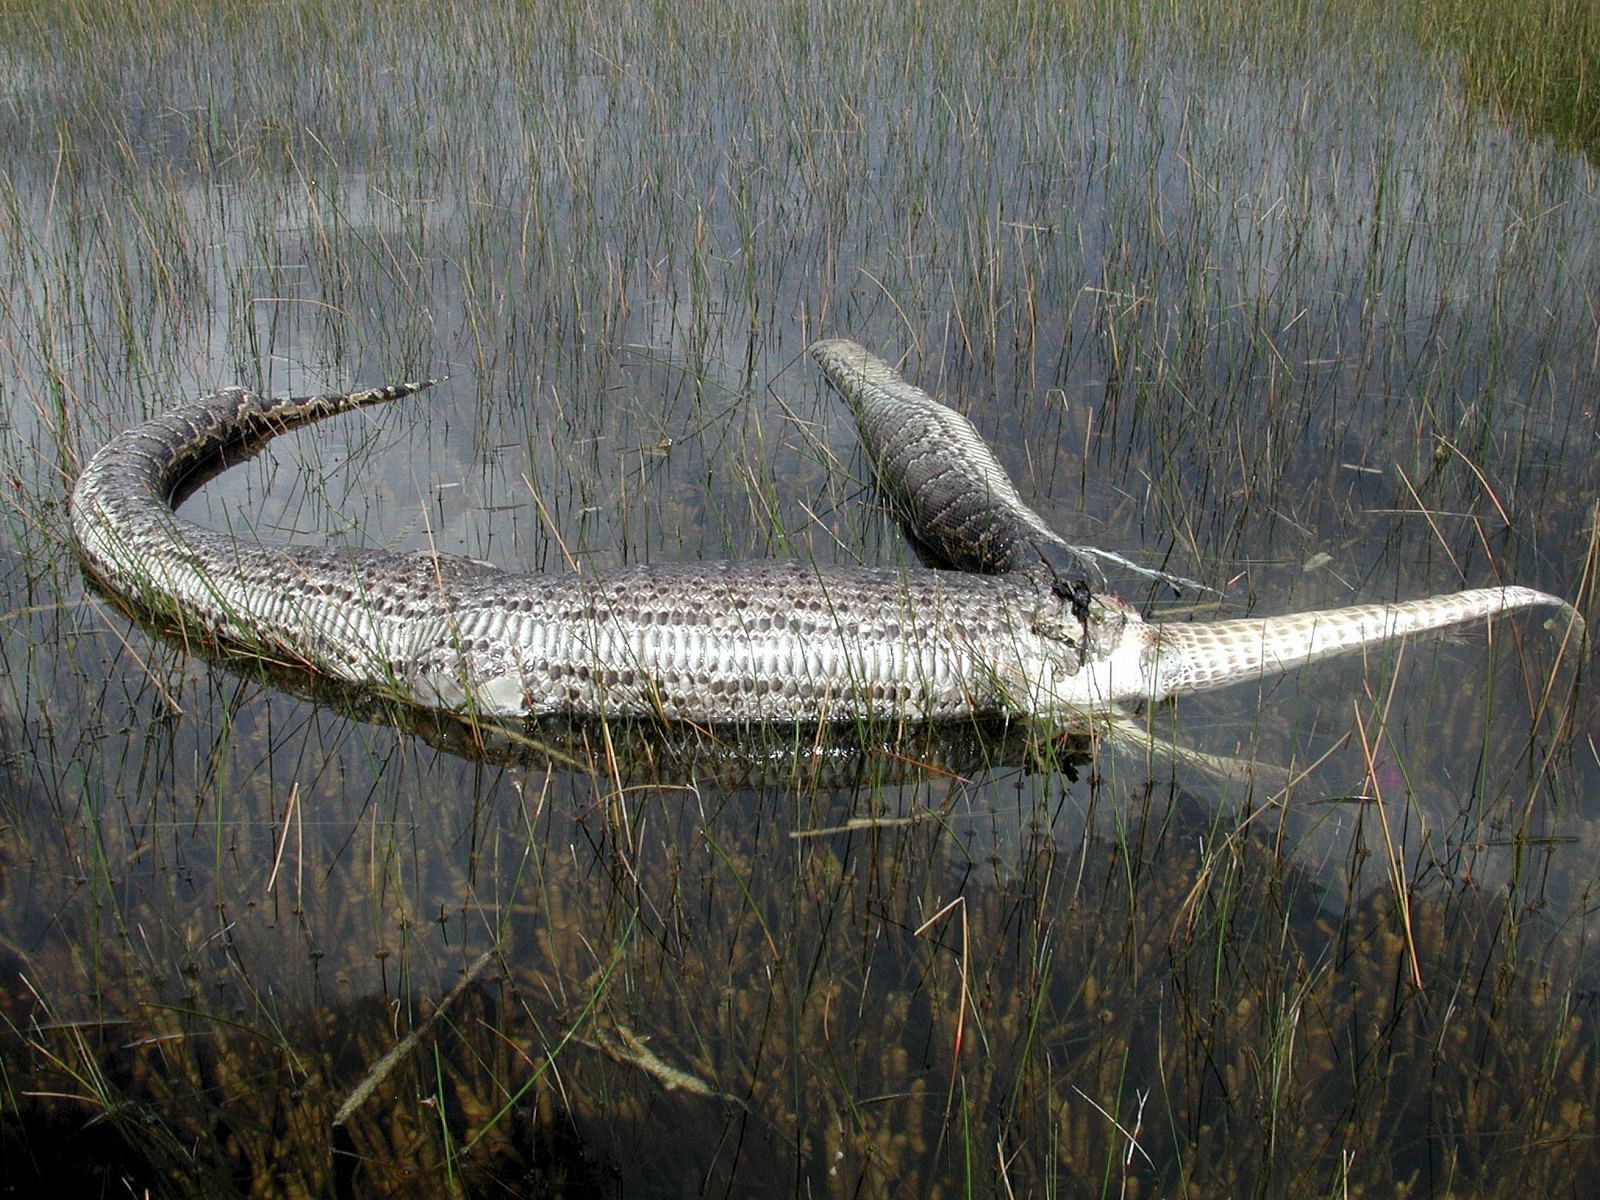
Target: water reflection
[704, 965]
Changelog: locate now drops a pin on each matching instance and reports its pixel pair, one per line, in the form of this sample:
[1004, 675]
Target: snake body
[760, 640]
[949, 486]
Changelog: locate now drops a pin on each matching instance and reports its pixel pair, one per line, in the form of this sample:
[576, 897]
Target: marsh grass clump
[1538, 62]
[1171, 1005]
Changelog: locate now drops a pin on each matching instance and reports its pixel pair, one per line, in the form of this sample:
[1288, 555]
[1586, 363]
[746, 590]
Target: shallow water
[1280, 311]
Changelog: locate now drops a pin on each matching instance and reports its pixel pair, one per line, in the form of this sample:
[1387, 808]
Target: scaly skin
[708, 642]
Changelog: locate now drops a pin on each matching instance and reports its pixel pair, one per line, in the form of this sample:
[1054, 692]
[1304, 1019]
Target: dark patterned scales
[951, 489]
[711, 641]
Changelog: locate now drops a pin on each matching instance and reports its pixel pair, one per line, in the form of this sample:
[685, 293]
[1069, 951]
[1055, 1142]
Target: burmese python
[761, 640]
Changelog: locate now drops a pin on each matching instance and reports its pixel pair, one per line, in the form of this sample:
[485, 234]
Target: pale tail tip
[823, 347]
[1573, 623]
[1565, 619]
[418, 385]
[393, 391]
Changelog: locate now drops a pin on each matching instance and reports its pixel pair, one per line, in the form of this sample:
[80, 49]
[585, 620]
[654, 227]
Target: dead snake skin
[761, 640]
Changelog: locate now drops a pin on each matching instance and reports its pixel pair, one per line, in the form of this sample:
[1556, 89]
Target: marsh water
[1293, 305]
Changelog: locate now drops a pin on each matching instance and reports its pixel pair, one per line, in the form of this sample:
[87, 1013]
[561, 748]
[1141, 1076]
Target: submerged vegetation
[1296, 299]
